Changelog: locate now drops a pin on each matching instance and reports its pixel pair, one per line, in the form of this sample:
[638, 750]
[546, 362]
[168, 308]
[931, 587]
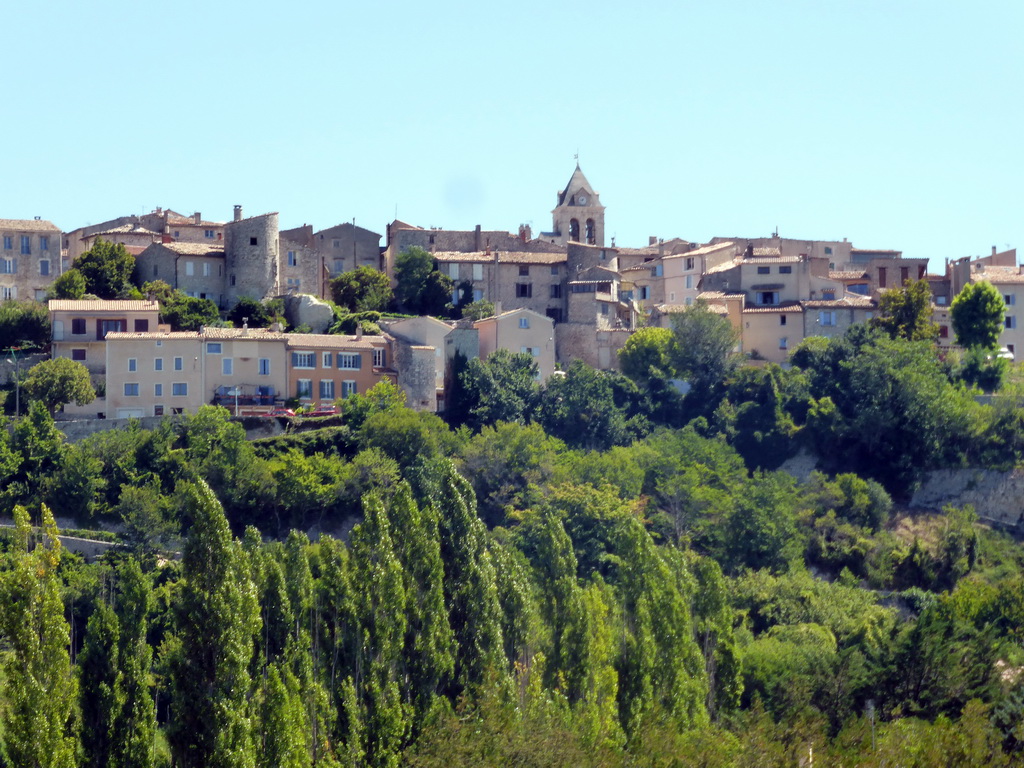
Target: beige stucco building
[80, 328]
[520, 330]
[30, 258]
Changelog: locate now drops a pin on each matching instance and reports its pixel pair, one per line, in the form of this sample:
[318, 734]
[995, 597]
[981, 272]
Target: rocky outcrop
[995, 495]
[309, 310]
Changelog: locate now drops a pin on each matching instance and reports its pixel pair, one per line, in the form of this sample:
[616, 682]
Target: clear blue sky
[896, 124]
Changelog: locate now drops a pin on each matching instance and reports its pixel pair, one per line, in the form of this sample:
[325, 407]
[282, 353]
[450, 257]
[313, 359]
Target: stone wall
[251, 258]
[995, 495]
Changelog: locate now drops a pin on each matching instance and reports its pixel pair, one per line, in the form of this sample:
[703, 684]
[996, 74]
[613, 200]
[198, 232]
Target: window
[524, 270]
[827, 318]
[112, 326]
[133, 365]
[604, 309]
[689, 301]
[232, 280]
[783, 343]
[1010, 299]
[786, 270]
[782, 319]
[190, 268]
[326, 389]
[292, 259]
[131, 390]
[159, 343]
[213, 347]
[177, 363]
[904, 275]
[658, 271]
[264, 366]
[554, 270]
[940, 300]
[158, 390]
[304, 389]
[524, 322]
[574, 230]
[303, 360]
[349, 362]
[379, 357]
[206, 269]
[158, 410]
[78, 354]
[881, 277]
[208, 234]
[828, 250]
[327, 360]
[227, 366]
[44, 267]
[293, 283]
[141, 326]
[254, 241]
[478, 295]
[478, 271]
[591, 232]
[8, 243]
[556, 291]
[689, 263]
[1011, 322]
[26, 245]
[8, 292]
[828, 294]
[158, 364]
[179, 389]
[943, 331]
[672, 296]
[524, 290]
[768, 298]
[689, 282]
[44, 242]
[336, 243]
[8, 266]
[645, 292]
[531, 351]
[348, 388]
[764, 270]
[177, 234]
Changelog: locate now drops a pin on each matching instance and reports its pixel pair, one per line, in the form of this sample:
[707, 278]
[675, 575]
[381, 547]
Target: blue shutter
[358, 361]
[14, 266]
[295, 359]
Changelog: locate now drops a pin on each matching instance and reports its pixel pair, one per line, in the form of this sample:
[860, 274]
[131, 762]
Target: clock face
[583, 199]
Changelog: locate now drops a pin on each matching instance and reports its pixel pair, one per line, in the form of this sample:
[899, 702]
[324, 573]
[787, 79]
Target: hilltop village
[561, 296]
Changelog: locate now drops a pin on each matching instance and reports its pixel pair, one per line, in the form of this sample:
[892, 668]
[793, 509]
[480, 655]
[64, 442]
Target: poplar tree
[40, 689]
[217, 616]
[135, 728]
[99, 686]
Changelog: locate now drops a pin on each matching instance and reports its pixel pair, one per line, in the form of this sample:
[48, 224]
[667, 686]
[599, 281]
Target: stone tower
[579, 215]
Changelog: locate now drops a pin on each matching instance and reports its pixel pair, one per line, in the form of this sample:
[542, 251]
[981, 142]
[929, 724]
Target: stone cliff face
[995, 495]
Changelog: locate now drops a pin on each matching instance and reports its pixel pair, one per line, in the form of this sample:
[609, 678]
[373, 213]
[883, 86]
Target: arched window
[591, 232]
[574, 230]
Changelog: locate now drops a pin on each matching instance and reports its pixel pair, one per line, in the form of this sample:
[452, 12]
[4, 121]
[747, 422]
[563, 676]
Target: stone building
[302, 267]
[167, 225]
[511, 280]
[579, 216]
[134, 237]
[30, 258]
[251, 257]
[346, 247]
[196, 269]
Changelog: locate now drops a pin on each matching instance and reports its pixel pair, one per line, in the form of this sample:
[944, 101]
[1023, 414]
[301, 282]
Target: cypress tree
[217, 616]
[135, 728]
[40, 689]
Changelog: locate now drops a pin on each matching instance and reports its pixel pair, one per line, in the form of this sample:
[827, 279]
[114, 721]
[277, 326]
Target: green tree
[99, 688]
[185, 313]
[478, 310]
[977, 315]
[23, 324]
[58, 382]
[647, 354]
[107, 269]
[363, 289]
[419, 287]
[258, 314]
[217, 616]
[501, 388]
[704, 349]
[70, 285]
[906, 312]
[135, 727]
[39, 686]
[580, 408]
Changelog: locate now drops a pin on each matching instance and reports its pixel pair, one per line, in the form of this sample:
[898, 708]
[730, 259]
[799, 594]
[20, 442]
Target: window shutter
[358, 360]
[14, 266]
[295, 359]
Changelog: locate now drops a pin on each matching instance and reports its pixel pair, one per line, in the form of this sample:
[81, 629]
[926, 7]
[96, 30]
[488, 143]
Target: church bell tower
[579, 215]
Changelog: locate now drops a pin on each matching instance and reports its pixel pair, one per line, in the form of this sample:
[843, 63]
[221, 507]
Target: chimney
[166, 238]
[238, 213]
[197, 218]
[476, 239]
[359, 332]
[993, 250]
[652, 239]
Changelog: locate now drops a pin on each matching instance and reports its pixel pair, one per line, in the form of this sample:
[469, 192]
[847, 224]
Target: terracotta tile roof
[847, 275]
[703, 250]
[504, 257]
[259, 334]
[847, 302]
[723, 267]
[789, 306]
[193, 249]
[712, 295]
[767, 251]
[28, 225]
[125, 229]
[1010, 277]
[772, 260]
[188, 221]
[718, 309]
[152, 335]
[329, 341]
[879, 251]
[102, 305]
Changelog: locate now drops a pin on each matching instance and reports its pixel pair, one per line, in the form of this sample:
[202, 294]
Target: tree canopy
[107, 269]
[420, 288]
[58, 382]
[704, 350]
[363, 289]
[906, 312]
[977, 315]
